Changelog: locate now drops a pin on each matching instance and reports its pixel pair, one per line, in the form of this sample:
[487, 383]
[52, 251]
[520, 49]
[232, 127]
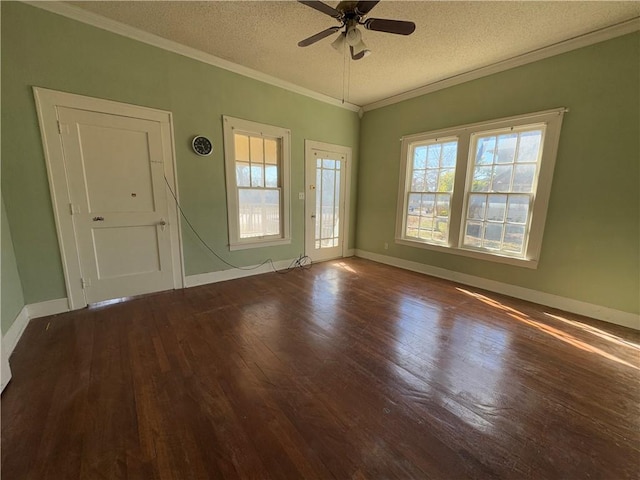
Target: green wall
[591, 243]
[11, 298]
[46, 50]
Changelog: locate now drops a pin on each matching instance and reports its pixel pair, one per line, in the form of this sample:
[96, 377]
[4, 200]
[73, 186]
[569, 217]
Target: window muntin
[501, 187]
[257, 158]
[432, 171]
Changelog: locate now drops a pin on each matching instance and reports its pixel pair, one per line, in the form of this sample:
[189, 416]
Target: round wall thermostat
[202, 145]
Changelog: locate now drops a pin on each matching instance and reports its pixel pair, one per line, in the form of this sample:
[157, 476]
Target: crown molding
[597, 36]
[98, 21]
[128, 31]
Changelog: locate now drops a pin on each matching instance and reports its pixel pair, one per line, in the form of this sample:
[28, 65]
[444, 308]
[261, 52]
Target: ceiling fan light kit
[361, 52]
[350, 14]
[354, 36]
[338, 43]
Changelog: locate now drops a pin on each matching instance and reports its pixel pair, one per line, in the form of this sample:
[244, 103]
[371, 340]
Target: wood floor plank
[348, 370]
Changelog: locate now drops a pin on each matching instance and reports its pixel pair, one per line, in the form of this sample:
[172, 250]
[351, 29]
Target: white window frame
[552, 119]
[232, 126]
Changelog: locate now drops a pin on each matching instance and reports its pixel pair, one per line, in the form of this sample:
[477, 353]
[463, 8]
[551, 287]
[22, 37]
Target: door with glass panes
[325, 177]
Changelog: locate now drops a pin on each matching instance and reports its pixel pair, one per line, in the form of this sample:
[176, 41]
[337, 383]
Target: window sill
[258, 243]
[490, 257]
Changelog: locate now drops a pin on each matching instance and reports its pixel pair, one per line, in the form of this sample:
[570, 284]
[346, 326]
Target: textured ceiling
[451, 38]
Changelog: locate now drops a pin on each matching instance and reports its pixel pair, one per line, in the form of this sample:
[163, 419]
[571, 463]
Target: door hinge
[86, 283]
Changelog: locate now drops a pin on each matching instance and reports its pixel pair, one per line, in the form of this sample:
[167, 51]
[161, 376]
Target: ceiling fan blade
[321, 7]
[399, 27]
[318, 36]
[363, 7]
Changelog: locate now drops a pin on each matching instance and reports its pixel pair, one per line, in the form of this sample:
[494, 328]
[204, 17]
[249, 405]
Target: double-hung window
[480, 190]
[257, 161]
[432, 170]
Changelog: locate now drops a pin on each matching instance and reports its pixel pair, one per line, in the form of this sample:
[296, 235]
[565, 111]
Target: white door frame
[47, 102]
[309, 147]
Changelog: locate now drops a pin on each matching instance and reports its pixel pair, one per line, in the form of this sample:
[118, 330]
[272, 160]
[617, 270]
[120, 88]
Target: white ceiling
[451, 37]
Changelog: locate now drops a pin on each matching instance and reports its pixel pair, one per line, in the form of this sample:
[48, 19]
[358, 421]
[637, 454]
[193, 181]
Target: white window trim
[464, 163]
[233, 125]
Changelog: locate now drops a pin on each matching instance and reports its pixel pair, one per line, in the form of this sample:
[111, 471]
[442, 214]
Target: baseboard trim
[234, 273]
[50, 307]
[598, 312]
[10, 340]
[28, 312]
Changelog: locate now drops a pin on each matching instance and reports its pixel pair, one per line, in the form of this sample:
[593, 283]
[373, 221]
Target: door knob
[98, 219]
[163, 224]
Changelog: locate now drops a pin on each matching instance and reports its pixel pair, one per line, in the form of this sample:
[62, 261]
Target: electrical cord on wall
[302, 262]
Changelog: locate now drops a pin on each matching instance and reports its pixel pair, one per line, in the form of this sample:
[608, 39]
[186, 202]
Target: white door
[325, 174]
[118, 196]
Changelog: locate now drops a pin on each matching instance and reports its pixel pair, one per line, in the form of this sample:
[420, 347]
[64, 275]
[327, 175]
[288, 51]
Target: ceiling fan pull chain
[348, 73]
[344, 72]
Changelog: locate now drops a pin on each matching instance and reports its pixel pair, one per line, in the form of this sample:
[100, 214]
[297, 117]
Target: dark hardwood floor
[349, 370]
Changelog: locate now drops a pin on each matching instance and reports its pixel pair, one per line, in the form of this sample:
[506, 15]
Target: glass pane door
[325, 225]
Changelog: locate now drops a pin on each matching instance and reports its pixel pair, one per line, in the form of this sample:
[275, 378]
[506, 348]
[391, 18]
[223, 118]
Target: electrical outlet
[300, 195]
[386, 246]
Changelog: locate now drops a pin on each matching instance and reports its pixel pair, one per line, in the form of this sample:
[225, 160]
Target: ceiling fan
[350, 14]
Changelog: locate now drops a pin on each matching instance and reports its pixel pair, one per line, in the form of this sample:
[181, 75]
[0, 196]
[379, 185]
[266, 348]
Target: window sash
[256, 219]
[504, 224]
[427, 224]
[495, 226]
[252, 168]
[433, 220]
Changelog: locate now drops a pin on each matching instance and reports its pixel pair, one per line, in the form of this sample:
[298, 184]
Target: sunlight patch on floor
[596, 331]
[548, 329]
[346, 267]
